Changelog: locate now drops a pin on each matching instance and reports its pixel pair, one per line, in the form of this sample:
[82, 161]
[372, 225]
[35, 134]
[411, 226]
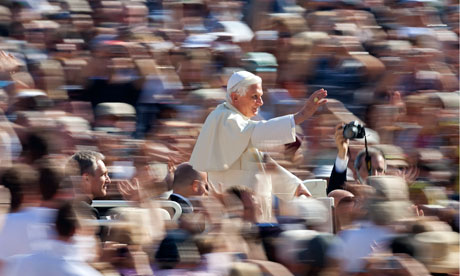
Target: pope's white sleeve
[276, 131]
[284, 183]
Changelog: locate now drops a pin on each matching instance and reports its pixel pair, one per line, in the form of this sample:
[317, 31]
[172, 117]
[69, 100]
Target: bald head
[338, 195]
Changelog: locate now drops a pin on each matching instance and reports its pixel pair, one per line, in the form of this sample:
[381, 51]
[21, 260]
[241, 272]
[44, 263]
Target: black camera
[354, 130]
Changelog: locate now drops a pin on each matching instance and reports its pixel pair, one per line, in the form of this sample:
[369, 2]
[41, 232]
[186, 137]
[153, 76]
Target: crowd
[109, 165]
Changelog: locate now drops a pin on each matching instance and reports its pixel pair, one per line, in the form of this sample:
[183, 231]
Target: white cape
[226, 150]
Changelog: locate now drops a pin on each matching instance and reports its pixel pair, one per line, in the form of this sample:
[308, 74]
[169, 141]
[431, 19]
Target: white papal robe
[227, 150]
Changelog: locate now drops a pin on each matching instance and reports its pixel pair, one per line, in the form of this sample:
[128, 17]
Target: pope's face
[249, 104]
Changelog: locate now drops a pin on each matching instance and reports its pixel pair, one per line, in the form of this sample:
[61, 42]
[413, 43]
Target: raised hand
[302, 190]
[214, 192]
[130, 190]
[316, 100]
[340, 141]
[8, 63]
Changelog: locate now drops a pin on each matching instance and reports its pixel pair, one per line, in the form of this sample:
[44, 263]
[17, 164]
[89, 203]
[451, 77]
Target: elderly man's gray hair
[240, 91]
[86, 161]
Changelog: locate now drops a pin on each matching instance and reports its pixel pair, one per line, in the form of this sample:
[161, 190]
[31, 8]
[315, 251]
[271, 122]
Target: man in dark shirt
[339, 172]
[187, 183]
[94, 177]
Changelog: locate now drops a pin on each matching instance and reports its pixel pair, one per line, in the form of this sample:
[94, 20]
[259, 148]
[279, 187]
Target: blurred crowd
[101, 103]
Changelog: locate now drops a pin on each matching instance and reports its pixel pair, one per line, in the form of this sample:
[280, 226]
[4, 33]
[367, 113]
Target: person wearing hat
[228, 145]
[115, 117]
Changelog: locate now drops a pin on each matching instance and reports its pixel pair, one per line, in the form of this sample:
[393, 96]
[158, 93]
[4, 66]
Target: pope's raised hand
[312, 104]
[302, 190]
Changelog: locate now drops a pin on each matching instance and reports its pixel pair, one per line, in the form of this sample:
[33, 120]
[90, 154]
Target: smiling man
[94, 176]
[227, 147]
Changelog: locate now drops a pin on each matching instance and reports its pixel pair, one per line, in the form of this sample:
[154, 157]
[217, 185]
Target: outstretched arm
[281, 130]
[339, 171]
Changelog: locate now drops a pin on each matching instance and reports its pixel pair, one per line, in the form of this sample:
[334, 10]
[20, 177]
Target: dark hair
[239, 190]
[177, 247]
[36, 145]
[19, 180]
[184, 175]
[372, 151]
[86, 160]
[66, 220]
[50, 179]
[403, 244]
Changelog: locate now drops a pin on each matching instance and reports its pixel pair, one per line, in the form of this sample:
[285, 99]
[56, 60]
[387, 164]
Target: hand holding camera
[341, 142]
[346, 132]
[354, 130]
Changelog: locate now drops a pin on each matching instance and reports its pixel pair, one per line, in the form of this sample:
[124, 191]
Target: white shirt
[59, 259]
[25, 230]
[341, 164]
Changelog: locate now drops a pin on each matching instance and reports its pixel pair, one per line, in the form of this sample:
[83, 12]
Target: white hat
[389, 212]
[438, 251]
[241, 79]
[310, 209]
[389, 187]
[117, 109]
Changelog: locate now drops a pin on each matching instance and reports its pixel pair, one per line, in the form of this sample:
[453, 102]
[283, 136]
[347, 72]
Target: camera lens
[350, 132]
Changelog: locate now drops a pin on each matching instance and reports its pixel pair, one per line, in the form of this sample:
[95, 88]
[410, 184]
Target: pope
[228, 145]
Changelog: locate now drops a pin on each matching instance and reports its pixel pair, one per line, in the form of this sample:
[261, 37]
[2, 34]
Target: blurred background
[135, 80]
